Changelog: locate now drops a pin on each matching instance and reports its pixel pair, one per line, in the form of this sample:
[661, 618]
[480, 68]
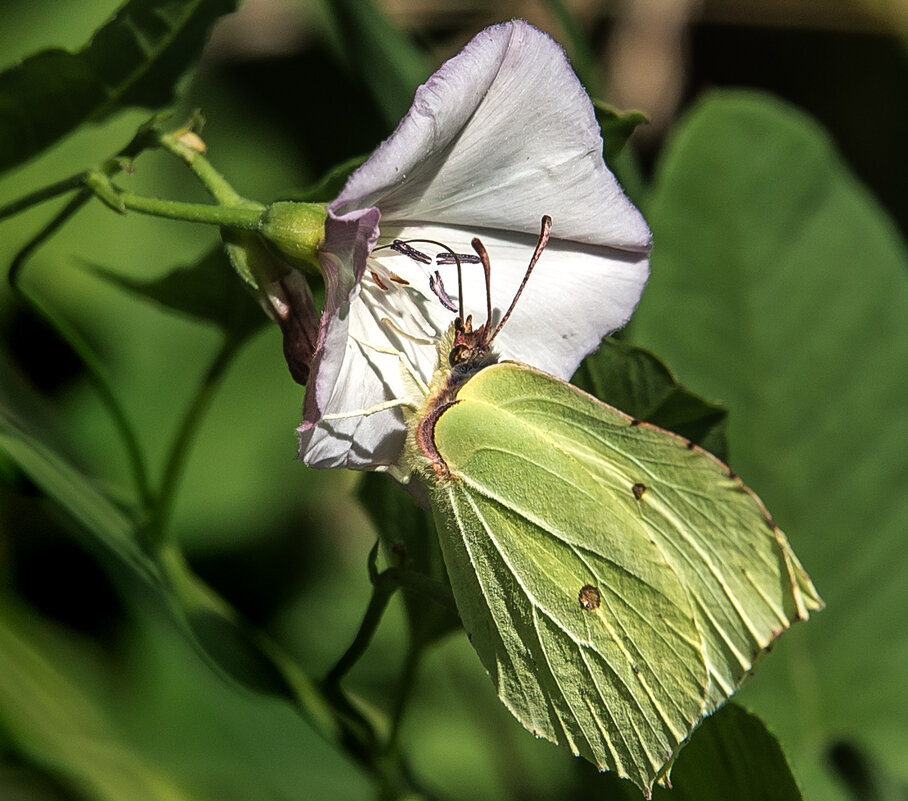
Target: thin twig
[180, 447]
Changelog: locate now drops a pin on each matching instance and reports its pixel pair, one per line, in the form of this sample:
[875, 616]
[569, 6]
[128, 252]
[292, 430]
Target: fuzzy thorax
[421, 456]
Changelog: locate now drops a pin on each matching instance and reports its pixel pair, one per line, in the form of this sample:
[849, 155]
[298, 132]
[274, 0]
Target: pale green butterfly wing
[518, 559]
[616, 582]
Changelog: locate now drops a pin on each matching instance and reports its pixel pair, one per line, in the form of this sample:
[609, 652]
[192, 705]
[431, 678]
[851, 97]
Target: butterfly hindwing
[616, 582]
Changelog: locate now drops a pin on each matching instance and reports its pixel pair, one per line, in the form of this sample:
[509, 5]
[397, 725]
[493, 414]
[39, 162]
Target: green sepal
[617, 127]
[295, 231]
[282, 290]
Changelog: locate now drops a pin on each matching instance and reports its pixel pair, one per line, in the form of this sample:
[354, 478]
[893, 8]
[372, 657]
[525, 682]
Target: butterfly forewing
[616, 582]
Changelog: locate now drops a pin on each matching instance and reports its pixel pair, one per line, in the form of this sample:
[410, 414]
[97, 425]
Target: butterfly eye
[459, 354]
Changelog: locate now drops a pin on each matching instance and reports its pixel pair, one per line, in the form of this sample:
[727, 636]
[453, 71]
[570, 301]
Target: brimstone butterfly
[617, 582]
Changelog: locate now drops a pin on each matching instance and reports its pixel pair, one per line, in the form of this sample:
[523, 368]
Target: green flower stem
[245, 218]
[384, 586]
[210, 178]
[74, 339]
[158, 525]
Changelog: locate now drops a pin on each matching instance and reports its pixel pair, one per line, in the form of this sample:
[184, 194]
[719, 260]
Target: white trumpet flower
[500, 135]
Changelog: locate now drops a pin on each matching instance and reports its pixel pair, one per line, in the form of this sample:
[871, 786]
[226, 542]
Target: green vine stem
[178, 144]
[246, 216]
[158, 524]
[384, 585]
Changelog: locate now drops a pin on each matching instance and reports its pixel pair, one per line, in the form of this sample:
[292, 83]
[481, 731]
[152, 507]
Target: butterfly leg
[378, 407]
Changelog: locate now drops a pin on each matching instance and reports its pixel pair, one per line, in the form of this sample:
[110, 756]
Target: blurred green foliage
[778, 290]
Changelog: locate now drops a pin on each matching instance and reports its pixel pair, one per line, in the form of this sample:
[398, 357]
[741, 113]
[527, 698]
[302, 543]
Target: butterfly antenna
[487, 269]
[544, 234]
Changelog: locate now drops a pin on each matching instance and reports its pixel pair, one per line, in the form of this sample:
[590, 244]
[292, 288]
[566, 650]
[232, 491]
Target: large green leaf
[84, 502]
[780, 287]
[635, 381]
[231, 647]
[732, 755]
[135, 59]
[617, 127]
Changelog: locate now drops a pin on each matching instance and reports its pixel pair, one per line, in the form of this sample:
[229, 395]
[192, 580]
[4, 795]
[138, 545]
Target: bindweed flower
[501, 135]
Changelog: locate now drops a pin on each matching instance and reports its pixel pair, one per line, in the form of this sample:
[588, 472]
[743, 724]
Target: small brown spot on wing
[638, 489]
[398, 280]
[589, 597]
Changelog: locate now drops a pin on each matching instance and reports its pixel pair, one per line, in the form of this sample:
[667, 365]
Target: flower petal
[382, 320]
[352, 238]
[502, 134]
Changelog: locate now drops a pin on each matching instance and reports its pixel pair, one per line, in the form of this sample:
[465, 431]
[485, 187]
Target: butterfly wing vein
[693, 579]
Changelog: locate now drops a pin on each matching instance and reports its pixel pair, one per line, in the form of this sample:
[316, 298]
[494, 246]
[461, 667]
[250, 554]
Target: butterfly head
[469, 344]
